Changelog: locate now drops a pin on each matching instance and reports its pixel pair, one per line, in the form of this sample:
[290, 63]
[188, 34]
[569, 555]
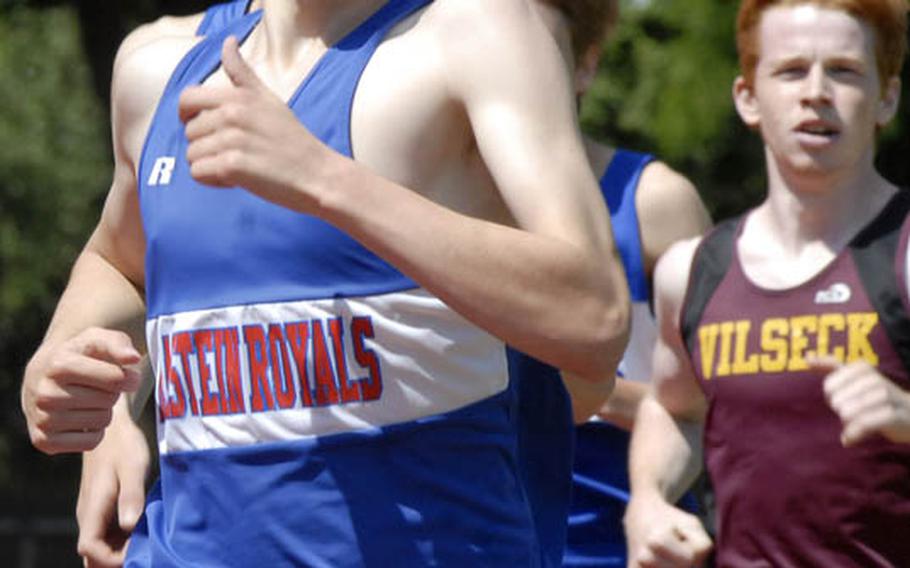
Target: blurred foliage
[55, 160]
[54, 170]
[665, 86]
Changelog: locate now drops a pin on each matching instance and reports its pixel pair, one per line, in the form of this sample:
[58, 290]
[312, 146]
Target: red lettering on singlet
[282, 378]
[371, 385]
[326, 389]
[183, 345]
[315, 351]
[211, 402]
[218, 339]
[254, 337]
[174, 407]
[298, 335]
[233, 376]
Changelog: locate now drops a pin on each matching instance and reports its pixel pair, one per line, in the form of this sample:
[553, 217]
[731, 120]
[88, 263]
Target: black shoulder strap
[709, 265]
[874, 251]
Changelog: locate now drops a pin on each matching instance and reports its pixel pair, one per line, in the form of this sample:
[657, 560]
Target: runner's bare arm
[665, 455]
[553, 287]
[669, 210]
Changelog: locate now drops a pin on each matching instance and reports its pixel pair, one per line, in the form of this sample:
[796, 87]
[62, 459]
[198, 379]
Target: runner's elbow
[608, 336]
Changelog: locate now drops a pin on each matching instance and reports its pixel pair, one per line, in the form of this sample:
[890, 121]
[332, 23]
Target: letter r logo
[161, 171]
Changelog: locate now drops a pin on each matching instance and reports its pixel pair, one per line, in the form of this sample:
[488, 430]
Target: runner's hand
[69, 389]
[867, 402]
[660, 535]
[112, 492]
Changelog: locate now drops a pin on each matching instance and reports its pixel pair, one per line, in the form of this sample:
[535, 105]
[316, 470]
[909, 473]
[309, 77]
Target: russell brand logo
[161, 171]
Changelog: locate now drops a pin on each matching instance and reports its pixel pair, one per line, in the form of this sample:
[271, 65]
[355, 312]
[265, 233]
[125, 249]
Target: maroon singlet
[787, 492]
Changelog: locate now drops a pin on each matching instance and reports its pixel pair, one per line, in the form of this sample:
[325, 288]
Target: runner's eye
[841, 70]
[791, 72]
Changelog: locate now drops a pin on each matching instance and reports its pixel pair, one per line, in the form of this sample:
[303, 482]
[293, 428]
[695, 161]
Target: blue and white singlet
[315, 406]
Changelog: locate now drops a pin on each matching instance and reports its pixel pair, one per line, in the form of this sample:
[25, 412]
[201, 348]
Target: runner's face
[816, 94]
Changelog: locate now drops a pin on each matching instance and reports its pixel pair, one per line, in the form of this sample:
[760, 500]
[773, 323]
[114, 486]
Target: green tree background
[664, 87]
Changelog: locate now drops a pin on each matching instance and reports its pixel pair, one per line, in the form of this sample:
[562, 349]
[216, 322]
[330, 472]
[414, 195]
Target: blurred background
[664, 87]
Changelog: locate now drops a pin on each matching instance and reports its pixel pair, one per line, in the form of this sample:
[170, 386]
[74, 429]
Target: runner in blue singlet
[326, 315]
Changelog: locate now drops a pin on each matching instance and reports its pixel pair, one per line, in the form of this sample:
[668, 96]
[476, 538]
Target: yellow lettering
[726, 344]
[785, 344]
[707, 343]
[826, 324]
[799, 340]
[774, 345]
[741, 364]
[859, 326]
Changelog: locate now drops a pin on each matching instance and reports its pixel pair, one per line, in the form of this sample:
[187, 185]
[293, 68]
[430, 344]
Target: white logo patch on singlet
[161, 171]
[837, 293]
